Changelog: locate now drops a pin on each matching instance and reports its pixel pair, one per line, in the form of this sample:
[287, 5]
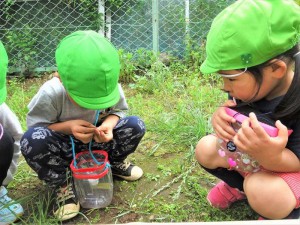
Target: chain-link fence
[31, 29]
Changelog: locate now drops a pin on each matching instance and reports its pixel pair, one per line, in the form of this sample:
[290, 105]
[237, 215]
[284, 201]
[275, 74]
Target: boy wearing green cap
[10, 135]
[85, 102]
[253, 46]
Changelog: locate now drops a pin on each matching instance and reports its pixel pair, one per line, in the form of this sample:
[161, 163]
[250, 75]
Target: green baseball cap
[3, 70]
[89, 68]
[250, 32]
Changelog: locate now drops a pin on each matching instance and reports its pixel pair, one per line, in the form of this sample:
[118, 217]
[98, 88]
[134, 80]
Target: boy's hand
[103, 134]
[82, 130]
[221, 122]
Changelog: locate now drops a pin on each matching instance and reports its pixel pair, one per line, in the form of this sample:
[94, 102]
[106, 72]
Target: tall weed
[176, 103]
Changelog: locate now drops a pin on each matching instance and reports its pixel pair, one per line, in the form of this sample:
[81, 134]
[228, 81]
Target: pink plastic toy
[237, 159]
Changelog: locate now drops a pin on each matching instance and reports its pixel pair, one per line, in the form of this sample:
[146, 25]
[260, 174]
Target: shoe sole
[66, 214]
[224, 208]
[126, 178]
[17, 215]
[12, 221]
[216, 207]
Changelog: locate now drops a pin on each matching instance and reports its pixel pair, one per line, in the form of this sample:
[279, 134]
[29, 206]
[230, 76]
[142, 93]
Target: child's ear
[278, 68]
[56, 74]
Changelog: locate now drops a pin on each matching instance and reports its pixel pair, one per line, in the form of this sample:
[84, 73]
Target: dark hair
[289, 106]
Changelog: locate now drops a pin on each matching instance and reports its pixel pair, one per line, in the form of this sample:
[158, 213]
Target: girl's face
[242, 87]
[245, 88]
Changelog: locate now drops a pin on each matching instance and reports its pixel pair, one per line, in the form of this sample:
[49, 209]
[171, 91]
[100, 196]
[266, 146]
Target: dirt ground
[138, 201]
[124, 208]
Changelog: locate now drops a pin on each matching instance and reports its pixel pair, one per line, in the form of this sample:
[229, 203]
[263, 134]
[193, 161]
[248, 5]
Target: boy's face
[71, 99]
[56, 74]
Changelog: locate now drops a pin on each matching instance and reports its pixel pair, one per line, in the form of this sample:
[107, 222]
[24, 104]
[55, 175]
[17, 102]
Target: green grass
[20, 92]
[176, 104]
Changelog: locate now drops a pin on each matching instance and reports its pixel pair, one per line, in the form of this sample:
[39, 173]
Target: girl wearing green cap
[253, 46]
[10, 135]
[83, 104]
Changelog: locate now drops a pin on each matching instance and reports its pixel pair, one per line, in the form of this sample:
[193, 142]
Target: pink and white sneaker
[221, 196]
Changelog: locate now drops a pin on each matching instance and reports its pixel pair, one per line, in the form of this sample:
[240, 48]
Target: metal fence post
[155, 25]
[107, 27]
[187, 18]
[101, 10]
[187, 27]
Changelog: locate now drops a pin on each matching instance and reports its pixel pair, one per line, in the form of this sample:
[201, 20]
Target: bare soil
[124, 208]
[150, 199]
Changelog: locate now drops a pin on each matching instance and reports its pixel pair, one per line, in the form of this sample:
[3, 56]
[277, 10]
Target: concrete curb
[252, 222]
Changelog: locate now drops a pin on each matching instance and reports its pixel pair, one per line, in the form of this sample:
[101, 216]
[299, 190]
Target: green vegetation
[176, 103]
[170, 95]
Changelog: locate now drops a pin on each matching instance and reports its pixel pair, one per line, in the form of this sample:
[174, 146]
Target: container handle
[90, 144]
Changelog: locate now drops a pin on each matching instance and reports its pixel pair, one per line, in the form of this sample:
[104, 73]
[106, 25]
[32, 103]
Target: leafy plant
[128, 68]
[176, 103]
[21, 45]
[135, 65]
[89, 8]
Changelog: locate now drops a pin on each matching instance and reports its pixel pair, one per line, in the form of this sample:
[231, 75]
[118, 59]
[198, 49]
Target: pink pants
[293, 180]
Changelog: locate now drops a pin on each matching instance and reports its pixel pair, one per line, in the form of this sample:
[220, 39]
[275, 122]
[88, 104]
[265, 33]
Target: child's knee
[135, 123]
[33, 142]
[139, 124]
[274, 200]
[205, 151]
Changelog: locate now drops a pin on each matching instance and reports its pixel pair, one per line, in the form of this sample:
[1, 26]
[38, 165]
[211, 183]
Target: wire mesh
[31, 29]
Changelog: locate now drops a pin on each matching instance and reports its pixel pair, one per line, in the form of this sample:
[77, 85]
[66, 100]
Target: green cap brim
[206, 69]
[98, 103]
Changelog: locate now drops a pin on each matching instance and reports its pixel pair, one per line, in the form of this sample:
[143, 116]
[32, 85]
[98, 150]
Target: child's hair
[288, 107]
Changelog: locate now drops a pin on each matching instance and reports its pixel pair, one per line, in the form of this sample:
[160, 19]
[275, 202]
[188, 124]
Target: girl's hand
[103, 134]
[254, 140]
[82, 130]
[221, 122]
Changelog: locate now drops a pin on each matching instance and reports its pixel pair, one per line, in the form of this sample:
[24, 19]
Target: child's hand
[221, 122]
[103, 134]
[254, 140]
[82, 130]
